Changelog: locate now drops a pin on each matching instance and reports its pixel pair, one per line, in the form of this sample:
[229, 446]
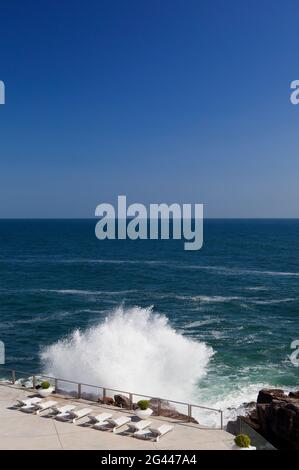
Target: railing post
[34, 382]
[189, 413]
[221, 418]
[131, 401]
[13, 376]
[79, 391]
[159, 407]
[56, 385]
[104, 394]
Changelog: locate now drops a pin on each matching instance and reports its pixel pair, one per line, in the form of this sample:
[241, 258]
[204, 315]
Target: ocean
[211, 326]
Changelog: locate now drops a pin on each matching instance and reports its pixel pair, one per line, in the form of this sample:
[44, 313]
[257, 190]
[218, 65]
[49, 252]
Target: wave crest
[135, 350]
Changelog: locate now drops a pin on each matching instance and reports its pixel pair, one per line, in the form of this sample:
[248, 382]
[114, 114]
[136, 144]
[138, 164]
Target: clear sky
[163, 101]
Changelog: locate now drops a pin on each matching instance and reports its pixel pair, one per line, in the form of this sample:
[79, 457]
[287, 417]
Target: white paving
[20, 430]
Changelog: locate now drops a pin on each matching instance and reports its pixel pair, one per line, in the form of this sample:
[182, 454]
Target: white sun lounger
[97, 419]
[113, 423]
[64, 416]
[152, 432]
[63, 412]
[28, 401]
[63, 409]
[73, 415]
[118, 422]
[139, 425]
[43, 406]
[78, 414]
[29, 407]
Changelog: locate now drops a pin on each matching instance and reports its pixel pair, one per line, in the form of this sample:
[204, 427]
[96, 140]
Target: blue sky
[163, 101]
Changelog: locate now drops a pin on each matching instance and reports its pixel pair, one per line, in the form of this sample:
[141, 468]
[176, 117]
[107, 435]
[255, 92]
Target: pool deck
[20, 430]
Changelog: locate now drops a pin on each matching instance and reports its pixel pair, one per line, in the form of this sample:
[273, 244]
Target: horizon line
[96, 217]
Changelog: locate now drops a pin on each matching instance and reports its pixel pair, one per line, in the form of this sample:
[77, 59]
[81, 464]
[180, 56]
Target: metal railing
[79, 385]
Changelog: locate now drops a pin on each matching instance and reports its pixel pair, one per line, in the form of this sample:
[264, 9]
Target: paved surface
[20, 430]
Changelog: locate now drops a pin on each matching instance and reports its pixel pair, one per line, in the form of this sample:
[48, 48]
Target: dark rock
[122, 401]
[164, 404]
[276, 417]
[268, 395]
[107, 401]
[164, 408]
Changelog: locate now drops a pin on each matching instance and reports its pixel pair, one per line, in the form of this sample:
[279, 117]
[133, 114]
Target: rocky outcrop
[122, 401]
[276, 417]
[268, 395]
[106, 401]
[164, 408]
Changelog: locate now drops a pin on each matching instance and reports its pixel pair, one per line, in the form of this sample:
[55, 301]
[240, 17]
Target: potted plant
[45, 389]
[242, 442]
[143, 411]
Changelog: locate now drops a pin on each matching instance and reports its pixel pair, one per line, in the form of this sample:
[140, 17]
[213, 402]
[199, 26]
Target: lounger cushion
[45, 405]
[63, 409]
[119, 421]
[100, 417]
[163, 429]
[112, 424]
[80, 413]
[28, 401]
[153, 432]
[137, 426]
[102, 425]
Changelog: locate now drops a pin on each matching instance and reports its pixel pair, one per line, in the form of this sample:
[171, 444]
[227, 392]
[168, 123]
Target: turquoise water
[239, 295]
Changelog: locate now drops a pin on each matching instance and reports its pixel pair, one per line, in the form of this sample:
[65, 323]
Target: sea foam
[134, 350]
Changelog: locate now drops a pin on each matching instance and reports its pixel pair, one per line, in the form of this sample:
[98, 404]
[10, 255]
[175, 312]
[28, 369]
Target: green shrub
[143, 404]
[45, 384]
[242, 440]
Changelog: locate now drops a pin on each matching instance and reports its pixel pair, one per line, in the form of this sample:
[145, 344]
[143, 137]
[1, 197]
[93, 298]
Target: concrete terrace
[20, 430]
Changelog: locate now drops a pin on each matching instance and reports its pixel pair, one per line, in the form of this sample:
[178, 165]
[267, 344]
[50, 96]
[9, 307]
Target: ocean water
[212, 326]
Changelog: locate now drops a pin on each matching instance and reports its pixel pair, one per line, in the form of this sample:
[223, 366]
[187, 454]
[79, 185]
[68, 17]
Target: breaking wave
[134, 349]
